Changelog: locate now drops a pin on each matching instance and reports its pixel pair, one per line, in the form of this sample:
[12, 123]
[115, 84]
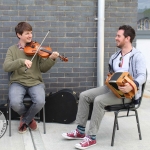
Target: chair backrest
[143, 88]
[140, 100]
[9, 74]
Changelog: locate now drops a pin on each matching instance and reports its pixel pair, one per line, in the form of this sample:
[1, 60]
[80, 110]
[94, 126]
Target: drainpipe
[100, 43]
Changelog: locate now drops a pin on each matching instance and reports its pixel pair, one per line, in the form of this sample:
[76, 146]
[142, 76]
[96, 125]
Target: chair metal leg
[9, 121]
[44, 128]
[38, 117]
[114, 128]
[117, 124]
[138, 125]
[7, 113]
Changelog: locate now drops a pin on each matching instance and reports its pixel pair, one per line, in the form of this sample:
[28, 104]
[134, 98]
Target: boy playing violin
[31, 82]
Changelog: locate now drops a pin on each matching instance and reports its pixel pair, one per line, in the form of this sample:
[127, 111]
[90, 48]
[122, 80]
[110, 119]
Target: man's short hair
[128, 31]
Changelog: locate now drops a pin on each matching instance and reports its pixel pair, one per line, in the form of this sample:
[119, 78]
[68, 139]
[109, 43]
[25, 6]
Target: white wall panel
[144, 46]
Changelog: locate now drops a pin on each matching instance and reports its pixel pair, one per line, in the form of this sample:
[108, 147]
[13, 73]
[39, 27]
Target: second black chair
[125, 107]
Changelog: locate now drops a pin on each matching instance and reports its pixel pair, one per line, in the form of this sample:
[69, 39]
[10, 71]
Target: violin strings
[40, 45]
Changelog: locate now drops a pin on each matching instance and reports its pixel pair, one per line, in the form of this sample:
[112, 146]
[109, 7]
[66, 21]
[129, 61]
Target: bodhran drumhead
[3, 124]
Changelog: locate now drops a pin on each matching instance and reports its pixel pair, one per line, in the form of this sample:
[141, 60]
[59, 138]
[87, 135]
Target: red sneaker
[86, 143]
[73, 135]
[33, 125]
[22, 128]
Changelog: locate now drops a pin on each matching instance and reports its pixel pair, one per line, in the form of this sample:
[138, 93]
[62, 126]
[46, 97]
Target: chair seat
[27, 100]
[119, 107]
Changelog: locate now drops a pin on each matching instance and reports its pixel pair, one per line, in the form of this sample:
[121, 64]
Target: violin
[44, 52]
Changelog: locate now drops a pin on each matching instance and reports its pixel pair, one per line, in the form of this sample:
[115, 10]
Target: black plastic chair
[27, 102]
[125, 107]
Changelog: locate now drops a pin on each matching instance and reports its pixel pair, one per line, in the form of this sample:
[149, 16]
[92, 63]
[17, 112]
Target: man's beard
[120, 46]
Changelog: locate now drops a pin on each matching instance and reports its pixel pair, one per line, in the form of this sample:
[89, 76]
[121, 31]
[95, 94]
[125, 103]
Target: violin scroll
[65, 59]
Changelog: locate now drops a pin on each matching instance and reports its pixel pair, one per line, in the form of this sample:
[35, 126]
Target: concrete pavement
[126, 137]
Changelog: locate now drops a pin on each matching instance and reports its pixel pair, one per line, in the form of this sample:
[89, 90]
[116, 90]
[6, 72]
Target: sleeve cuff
[136, 83]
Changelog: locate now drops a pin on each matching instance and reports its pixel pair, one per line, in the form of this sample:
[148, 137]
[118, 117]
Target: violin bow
[38, 49]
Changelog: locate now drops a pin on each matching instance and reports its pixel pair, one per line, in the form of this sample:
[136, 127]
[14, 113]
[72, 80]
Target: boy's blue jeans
[16, 95]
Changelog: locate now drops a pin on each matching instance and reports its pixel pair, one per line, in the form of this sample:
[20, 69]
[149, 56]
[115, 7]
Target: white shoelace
[86, 139]
[74, 132]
